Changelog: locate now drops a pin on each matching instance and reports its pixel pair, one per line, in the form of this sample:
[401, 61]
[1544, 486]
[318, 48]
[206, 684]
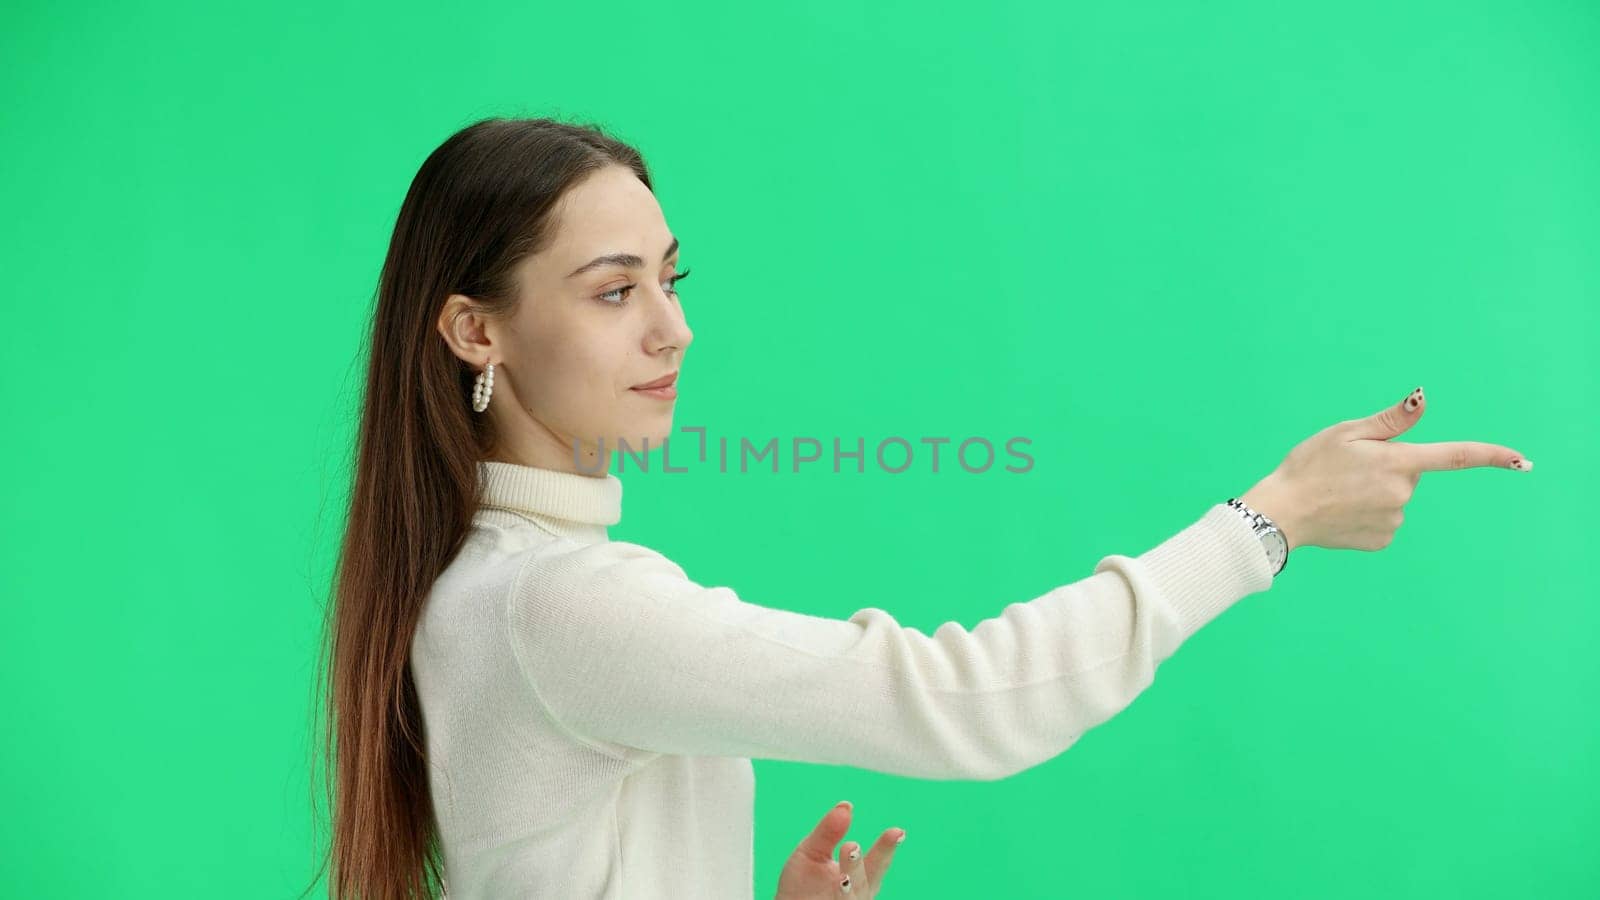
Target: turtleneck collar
[566, 503]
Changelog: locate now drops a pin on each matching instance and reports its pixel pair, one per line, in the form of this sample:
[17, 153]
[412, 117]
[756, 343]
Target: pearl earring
[482, 389]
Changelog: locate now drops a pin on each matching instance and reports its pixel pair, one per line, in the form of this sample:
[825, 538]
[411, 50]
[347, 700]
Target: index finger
[1447, 455]
[882, 853]
[819, 844]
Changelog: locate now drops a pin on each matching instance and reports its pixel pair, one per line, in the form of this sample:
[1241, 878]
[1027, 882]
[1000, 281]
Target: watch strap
[1262, 526]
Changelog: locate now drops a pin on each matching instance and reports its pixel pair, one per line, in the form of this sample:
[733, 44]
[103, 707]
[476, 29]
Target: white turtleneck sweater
[591, 711]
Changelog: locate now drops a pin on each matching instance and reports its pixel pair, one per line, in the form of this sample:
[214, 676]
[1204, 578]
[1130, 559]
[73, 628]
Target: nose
[669, 329]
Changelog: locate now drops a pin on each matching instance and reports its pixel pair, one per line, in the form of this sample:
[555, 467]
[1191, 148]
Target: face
[588, 330]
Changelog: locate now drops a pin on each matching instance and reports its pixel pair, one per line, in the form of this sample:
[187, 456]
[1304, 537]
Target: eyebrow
[621, 259]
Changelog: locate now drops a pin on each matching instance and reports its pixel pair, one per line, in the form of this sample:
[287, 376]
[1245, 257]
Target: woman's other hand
[813, 874]
[1346, 486]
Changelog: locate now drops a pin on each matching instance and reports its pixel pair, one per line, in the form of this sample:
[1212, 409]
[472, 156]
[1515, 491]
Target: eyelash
[622, 301]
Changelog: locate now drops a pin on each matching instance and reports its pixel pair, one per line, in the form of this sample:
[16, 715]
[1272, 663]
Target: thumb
[1391, 421]
[824, 838]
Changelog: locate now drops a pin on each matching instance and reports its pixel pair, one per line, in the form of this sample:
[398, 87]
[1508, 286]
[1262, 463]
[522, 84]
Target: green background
[1163, 241]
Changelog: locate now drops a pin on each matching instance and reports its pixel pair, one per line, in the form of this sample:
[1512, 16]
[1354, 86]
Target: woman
[527, 708]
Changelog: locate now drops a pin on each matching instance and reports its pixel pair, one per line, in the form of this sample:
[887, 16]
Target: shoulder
[568, 564]
[573, 606]
[571, 581]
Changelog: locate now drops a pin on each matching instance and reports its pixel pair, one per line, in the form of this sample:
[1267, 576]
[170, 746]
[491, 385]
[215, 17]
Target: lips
[663, 381]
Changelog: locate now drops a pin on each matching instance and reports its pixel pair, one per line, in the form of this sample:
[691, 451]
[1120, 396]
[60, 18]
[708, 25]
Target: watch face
[1277, 547]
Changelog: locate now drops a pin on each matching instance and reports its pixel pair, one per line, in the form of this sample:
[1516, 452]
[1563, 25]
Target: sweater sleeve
[623, 648]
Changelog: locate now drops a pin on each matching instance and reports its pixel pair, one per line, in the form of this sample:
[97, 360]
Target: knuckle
[1373, 541]
[1458, 458]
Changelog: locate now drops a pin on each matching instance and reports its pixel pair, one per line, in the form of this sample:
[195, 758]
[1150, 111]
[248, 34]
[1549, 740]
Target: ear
[466, 330]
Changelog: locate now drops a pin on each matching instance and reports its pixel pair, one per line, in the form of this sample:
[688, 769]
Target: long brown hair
[480, 204]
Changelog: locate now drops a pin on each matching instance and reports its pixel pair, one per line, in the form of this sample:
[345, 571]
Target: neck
[566, 503]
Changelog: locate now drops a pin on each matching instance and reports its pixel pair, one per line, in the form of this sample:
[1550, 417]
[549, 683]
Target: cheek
[576, 367]
[578, 379]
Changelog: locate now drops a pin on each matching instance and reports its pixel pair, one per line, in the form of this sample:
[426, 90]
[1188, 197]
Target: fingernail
[844, 803]
[1522, 465]
[901, 838]
[1414, 400]
[855, 853]
[845, 885]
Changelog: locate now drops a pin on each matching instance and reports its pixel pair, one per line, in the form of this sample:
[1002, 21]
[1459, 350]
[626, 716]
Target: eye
[621, 300]
[677, 277]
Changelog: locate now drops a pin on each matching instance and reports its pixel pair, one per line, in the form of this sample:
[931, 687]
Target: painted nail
[1414, 400]
[844, 803]
[845, 885]
[1522, 465]
[855, 853]
[901, 838]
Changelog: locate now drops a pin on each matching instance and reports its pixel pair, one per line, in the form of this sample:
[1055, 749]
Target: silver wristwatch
[1271, 536]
